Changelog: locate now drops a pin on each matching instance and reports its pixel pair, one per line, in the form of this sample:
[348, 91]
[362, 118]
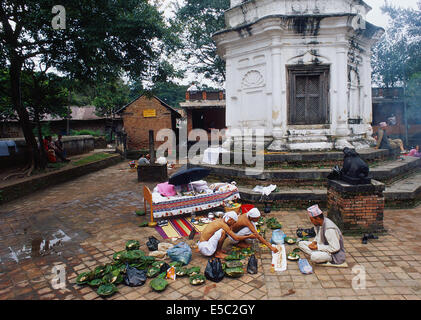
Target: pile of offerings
[233, 265]
[273, 223]
[133, 267]
[294, 255]
[106, 277]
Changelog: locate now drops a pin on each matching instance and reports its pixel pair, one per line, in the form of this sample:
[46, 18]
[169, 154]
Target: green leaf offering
[132, 245]
[162, 275]
[95, 282]
[234, 264]
[197, 279]
[176, 264]
[180, 271]
[106, 290]
[143, 225]
[152, 272]
[84, 277]
[193, 271]
[234, 256]
[158, 264]
[234, 272]
[158, 284]
[109, 278]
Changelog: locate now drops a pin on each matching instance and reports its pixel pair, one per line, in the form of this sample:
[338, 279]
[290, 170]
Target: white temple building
[300, 70]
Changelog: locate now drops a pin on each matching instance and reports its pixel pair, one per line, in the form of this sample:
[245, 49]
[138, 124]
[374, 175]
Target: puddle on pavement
[39, 247]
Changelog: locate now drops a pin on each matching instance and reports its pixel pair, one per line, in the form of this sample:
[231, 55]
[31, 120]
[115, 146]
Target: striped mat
[178, 228]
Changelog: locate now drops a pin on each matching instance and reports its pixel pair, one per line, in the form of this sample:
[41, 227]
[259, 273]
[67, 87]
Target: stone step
[385, 172]
[403, 193]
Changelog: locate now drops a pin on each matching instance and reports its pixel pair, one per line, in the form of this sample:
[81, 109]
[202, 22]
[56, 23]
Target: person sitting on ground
[328, 245]
[143, 160]
[383, 141]
[49, 146]
[415, 152]
[59, 150]
[245, 226]
[213, 236]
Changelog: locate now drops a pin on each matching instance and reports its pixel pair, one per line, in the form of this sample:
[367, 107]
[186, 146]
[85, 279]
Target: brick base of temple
[356, 209]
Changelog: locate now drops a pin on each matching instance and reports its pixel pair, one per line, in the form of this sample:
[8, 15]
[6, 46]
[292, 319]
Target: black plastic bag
[164, 268]
[152, 244]
[134, 277]
[252, 265]
[214, 271]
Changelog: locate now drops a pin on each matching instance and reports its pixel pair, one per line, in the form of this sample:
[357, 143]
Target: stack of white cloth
[201, 186]
[265, 190]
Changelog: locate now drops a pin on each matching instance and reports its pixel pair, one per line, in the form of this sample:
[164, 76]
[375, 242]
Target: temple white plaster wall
[259, 45]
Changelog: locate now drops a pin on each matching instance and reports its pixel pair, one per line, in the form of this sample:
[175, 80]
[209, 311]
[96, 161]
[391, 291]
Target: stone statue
[355, 170]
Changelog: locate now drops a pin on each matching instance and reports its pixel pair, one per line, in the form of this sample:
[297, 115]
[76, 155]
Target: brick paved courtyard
[88, 219]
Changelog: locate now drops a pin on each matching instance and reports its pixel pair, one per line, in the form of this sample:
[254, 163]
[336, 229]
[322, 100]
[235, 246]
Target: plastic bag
[164, 268]
[214, 271]
[180, 252]
[252, 265]
[305, 266]
[152, 244]
[278, 237]
[134, 277]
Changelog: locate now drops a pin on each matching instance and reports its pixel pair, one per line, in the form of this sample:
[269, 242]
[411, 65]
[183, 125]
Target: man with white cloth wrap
[328, 245]
[213, 236]
[246, 225]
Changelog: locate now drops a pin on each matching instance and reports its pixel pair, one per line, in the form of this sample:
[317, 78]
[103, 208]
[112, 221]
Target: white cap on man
[230, 215]
[253, 213]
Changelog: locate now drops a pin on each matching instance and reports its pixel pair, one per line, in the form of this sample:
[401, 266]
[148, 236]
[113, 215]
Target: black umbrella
[188, 175]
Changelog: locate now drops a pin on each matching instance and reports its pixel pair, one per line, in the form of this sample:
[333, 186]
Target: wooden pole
[152, 146]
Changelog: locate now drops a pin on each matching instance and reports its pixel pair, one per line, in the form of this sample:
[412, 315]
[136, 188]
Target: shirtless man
[213, 236]
[246, 225]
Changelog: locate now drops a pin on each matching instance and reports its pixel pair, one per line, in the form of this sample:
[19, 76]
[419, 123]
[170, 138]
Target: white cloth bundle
[265, 190]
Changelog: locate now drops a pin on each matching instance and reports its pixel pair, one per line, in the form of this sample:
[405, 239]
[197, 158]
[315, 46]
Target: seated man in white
[328, 245]
[213, 236]
[245, 226]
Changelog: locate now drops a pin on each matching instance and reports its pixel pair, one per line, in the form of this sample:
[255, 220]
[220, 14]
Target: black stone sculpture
[355, 170]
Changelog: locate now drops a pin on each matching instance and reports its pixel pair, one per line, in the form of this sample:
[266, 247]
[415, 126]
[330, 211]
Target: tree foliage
[199, 20]
[397, 55]
[101, 40]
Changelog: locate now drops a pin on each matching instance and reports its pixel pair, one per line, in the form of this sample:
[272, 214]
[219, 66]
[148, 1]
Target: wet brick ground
[88, 219]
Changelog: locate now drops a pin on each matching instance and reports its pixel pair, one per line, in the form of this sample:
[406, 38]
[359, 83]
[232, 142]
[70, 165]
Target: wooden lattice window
[308, 95]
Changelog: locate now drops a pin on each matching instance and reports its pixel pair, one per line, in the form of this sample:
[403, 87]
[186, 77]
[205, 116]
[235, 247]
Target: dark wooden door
[308, 103]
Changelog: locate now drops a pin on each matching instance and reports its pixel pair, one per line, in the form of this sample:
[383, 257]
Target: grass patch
[57, 165]
[92, 158]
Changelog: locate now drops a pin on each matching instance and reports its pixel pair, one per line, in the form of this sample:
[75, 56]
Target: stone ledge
[345, 188]
[395, 195]
[385, 172]
[19, 189]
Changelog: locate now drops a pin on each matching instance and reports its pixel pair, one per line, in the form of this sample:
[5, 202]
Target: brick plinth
[356, 209]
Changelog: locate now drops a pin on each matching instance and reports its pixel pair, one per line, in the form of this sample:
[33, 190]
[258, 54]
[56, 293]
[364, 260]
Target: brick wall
[137, 126]
[356, 212]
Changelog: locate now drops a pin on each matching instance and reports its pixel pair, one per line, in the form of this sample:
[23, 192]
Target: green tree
[111, 96]
[197, 21]
[101, 39]
[397, 56]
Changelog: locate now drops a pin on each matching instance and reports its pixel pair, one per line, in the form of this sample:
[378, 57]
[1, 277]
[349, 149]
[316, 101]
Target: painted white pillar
[342, 129]
[278, 129]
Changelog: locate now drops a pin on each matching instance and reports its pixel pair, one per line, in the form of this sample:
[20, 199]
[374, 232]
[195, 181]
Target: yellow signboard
[149, 113]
